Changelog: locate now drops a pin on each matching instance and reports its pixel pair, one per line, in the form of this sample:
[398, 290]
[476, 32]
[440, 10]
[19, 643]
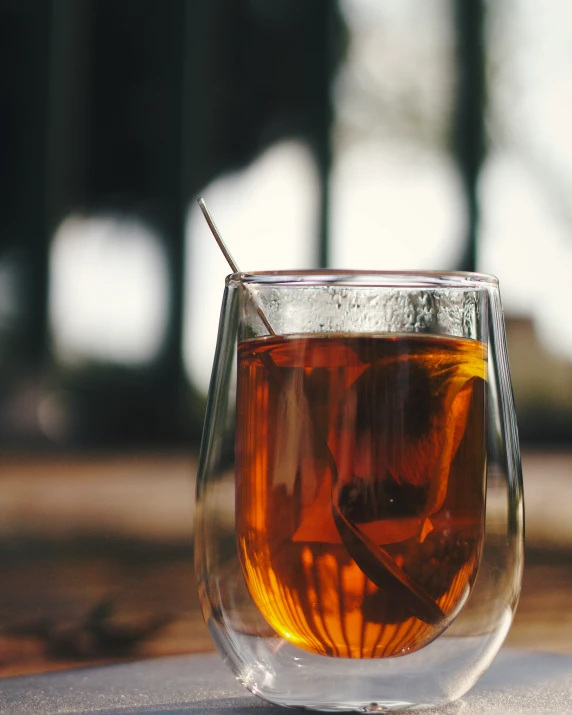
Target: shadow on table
[237, 706]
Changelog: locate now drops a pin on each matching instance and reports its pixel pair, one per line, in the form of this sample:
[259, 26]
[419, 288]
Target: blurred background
[350, 134]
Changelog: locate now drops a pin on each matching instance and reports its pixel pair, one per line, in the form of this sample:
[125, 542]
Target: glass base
[282, 674]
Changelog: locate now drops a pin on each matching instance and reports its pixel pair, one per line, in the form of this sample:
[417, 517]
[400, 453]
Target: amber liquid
[386, 431]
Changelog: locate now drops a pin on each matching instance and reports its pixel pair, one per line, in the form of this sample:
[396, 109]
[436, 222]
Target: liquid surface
[360, 486]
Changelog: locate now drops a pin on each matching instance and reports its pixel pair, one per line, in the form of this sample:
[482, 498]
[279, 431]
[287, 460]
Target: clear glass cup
[358, 424]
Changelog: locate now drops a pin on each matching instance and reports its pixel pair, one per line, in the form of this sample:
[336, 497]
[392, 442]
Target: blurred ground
[96, 559]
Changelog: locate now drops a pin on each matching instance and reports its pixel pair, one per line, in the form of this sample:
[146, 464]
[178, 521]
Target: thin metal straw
[230, 260]
[216, 233]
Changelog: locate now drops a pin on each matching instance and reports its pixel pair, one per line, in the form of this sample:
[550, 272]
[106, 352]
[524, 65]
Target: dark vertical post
[68, 87]
[323, 125]
[135, 166]
[205, 24]
[175, 199]
[469, 134]
[24, 52]
[36, 233]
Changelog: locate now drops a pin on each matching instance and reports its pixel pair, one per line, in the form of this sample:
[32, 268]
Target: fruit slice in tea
[360, 486]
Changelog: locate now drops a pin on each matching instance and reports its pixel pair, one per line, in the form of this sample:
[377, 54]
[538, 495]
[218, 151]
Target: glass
[357, 425]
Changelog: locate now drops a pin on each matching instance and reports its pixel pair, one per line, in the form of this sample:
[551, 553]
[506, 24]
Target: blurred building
[351, 134]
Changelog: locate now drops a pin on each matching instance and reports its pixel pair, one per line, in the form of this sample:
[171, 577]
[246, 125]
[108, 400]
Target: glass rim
[389, 279]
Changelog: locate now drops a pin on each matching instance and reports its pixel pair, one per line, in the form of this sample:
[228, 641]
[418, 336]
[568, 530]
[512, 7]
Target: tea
[360, 486]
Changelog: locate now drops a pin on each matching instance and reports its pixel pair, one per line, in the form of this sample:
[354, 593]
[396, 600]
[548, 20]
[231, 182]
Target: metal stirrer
[230, 260]
[216, 233]
[372, 559]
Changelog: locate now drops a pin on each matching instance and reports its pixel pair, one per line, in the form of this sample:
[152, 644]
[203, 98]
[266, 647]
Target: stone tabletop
[518, 682]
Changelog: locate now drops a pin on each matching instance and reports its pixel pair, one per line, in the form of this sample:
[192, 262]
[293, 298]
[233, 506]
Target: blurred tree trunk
[469, 132]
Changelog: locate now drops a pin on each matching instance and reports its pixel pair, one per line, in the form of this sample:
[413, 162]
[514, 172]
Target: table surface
[96, 554]
[518, 682]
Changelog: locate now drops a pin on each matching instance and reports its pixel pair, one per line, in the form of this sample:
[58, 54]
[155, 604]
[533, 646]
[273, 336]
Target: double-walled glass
[359, 527]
